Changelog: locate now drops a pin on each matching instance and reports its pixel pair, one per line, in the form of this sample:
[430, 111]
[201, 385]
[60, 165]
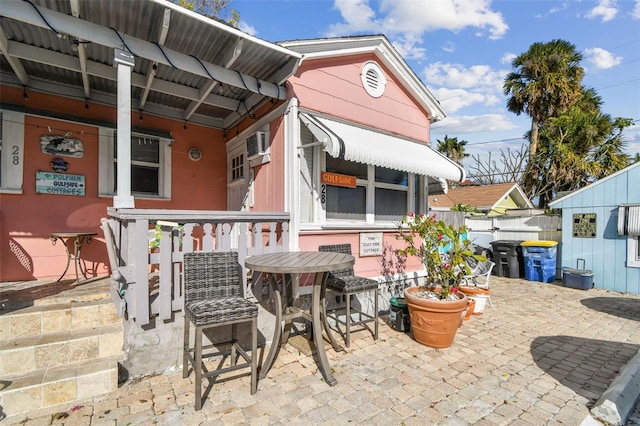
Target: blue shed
[601, 224]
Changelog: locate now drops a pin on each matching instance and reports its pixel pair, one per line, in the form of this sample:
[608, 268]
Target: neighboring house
[203, 108]
[492, 200]
[601, 224]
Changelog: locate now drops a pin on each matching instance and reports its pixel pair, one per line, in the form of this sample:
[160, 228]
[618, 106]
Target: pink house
[359, 152]
[142, 111]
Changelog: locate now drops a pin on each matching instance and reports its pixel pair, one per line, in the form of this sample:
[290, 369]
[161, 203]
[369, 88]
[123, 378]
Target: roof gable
[484, 197]
[383, 50]
[558, 203]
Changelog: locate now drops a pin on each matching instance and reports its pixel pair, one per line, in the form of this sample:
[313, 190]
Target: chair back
[339, 248]
[483, 268]
[211, 275]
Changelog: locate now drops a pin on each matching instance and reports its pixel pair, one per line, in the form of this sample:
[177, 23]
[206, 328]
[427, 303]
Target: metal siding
[633, 185]
[606, 254]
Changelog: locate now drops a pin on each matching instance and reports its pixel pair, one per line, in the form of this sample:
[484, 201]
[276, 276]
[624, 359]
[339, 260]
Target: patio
[544, 354]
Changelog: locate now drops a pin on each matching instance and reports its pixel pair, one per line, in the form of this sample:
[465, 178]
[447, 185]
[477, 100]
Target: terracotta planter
[479, 295]
[434, 322]
[470, 308]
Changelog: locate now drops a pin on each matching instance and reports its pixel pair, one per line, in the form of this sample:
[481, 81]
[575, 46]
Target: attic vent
[373, 79]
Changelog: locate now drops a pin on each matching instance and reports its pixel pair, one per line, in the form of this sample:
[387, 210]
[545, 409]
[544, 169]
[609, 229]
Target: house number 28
[15, 155]
[323, 196]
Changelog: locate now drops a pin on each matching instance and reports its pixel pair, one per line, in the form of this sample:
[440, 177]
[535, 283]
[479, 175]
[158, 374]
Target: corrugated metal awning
[352, 143]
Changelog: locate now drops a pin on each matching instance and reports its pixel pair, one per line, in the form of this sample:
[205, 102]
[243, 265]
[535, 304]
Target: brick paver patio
[543, 355]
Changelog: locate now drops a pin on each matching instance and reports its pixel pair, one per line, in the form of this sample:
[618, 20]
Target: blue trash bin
[540, 260]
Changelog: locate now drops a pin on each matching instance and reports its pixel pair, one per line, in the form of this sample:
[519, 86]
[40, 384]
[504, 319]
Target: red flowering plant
[442, 249]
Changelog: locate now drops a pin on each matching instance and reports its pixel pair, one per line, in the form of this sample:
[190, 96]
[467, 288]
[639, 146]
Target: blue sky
[462, 51]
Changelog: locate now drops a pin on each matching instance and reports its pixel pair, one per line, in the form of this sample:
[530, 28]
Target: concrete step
[50, 387]
[38, 320]
[57, 352]
[25, 354]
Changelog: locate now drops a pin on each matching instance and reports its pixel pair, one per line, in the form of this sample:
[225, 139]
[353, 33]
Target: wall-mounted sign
[584, 225]
[61, 145]
[59, 165]
[336, 179]
[59, 184]
[371, 244]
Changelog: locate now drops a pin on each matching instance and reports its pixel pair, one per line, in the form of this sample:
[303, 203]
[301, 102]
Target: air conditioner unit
[256, 145]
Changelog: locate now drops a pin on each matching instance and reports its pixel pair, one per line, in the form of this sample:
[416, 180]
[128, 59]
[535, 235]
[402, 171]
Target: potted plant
[436, 308]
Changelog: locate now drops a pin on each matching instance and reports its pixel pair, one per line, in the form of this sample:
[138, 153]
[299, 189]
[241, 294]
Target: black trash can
[507, 255]
[399, 314]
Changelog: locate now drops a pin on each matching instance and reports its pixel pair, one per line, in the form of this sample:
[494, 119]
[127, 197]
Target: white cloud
[632, 137]
[473, 124]
[450, 46]
[249, 29]
[458, 76]
[557, 9]
[407, 47]
[358, 17]
[636, 10]
[507, 58]
[453, 100]
[412, 17]
[606, 10]
[602, 59]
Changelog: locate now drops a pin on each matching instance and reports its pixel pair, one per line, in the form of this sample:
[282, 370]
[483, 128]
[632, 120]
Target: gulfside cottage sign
[59, 184]
[336, 179]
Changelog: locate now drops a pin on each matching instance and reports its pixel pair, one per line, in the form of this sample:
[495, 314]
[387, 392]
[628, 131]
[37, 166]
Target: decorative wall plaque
[584, 225]
[61, 145]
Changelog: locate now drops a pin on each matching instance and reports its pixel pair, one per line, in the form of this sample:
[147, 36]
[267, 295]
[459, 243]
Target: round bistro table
[296, 263]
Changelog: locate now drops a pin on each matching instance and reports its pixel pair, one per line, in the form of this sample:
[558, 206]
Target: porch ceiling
[187, 67]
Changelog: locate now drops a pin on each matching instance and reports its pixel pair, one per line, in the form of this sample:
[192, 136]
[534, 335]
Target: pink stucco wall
[333, 86]
[27, 219]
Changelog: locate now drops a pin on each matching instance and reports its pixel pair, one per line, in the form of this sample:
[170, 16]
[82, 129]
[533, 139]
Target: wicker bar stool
[344, 282]
[213, 298]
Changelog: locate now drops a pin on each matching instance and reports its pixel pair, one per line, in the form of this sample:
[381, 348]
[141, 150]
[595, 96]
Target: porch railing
[147, 280]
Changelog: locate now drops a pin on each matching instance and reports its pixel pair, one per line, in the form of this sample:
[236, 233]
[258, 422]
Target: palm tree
[545, 82]
[453, 149]
[578, 147]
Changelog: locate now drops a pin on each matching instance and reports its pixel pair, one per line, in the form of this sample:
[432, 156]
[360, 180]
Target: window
[150, 165]
[385, 192]
[633, 251]
[237, 167]
[629, 225]
[346, 203]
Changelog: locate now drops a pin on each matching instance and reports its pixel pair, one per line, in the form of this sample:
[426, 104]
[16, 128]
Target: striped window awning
[352, 143]
[629, 219]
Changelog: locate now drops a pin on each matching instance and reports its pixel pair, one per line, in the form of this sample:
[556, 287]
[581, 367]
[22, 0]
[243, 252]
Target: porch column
[124, 62]
[292, 172]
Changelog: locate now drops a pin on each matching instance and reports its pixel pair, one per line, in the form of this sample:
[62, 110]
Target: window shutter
[629, 220]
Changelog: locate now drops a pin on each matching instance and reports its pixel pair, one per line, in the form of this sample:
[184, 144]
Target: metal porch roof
[187, 67]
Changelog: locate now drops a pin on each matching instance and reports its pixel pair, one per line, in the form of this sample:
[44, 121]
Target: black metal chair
[213, 298]
[344, 282]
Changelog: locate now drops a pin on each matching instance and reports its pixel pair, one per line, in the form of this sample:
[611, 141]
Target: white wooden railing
[147, 281]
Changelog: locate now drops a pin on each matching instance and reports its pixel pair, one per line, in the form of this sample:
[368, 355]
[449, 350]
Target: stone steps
[57, 351]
